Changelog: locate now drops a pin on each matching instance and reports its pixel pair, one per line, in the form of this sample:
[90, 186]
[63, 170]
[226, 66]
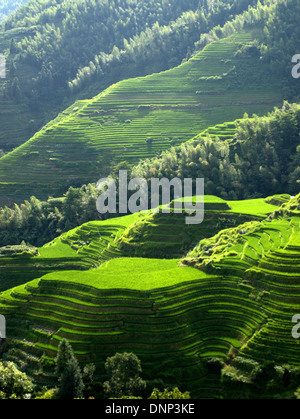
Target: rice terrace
[166, 295]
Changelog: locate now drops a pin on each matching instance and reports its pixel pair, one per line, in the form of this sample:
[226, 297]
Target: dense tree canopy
[280, 39]
[14, 384]
[262, 160]
[124, 371]
[282, 33]
[38, 222]
[69, 44]
[62, 51]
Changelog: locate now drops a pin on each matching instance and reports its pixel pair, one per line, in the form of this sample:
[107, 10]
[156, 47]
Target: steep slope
[250, 157]
[168, 236]
[79, 249]
[76, 48]
[138, 118]
[17, 121]
[149, 235]
[169, 315]
[264, 258]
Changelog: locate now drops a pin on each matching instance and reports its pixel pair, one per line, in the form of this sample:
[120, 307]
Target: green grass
[57, 249]
[160, 311]
[82, 248]
[256, 207]
[236, 292]
[139, 274]
[165, 236]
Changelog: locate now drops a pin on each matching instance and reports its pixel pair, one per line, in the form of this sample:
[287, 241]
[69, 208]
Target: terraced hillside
[80, 249]
[173, 316]
[155, 316]
[150, 235]
[264, 259]
[138, 118]
[161, 235]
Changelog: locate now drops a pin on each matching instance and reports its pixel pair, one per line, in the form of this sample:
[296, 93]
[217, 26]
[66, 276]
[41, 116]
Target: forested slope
[246, 158]
[138, 118]
[59, 51]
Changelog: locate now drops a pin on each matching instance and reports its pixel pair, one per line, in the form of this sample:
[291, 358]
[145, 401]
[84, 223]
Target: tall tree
[124, 371]
[70, 384]
[68, 373]
[65, 353]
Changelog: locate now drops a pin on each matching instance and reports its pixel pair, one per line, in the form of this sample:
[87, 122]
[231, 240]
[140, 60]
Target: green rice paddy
[168, 311]
[265, 256]
[230, 285]
[141, 235]
[138, 118]
[138, 274]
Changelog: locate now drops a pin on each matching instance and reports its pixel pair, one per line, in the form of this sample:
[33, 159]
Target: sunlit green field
[251, 207]
[139, 274]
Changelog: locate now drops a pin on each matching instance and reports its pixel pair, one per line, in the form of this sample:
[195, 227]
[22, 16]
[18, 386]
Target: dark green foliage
[88, 380]
[79, 40]
[21, 251]
[279, 43]
[38, 222]
[68, 372]
[70, 34]
[261, 159]
[265, 373]
[245, 378]
[215, 365]
[69, 50]
[169, 394]
[14, 384]
[71, 385]
[124, 376]
[282, 34]
[64, 354]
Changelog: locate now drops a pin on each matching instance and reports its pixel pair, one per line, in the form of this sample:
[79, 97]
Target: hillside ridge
[126, 121]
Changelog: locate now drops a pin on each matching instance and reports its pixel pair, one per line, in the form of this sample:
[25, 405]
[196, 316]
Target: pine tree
[68, 373]
[70, 384]
[65, 354]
